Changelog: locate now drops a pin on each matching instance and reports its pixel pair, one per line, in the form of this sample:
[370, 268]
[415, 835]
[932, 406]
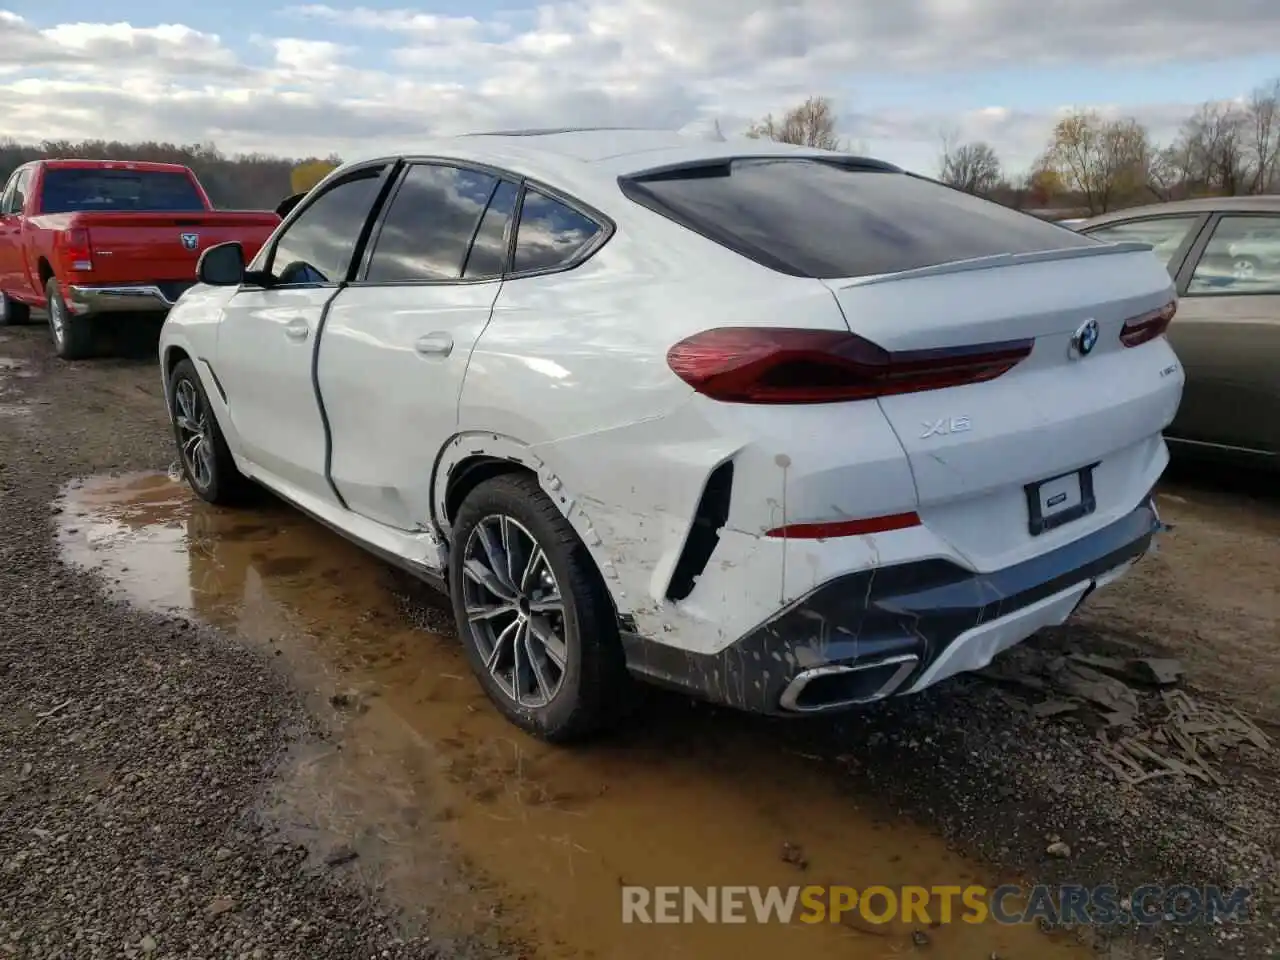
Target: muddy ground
[231, 734]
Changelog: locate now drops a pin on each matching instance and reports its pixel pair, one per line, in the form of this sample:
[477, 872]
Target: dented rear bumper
[897, 629]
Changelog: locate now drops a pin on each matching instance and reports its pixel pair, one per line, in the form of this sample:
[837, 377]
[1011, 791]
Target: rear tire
[206, 459]
[72, 335]
[554, 669]
[13, 313]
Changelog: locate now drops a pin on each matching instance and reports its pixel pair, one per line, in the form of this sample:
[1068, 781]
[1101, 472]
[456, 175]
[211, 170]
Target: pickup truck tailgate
[130, 247]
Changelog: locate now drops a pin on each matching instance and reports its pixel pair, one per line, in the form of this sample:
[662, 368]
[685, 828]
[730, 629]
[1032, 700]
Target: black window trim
[605, 224]
[1178, 259]
[266, 255]
[1197, 250]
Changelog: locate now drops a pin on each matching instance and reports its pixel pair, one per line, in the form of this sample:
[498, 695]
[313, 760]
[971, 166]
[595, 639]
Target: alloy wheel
[57, 320]
[192, 421]
[1244, 269]
[515, 610]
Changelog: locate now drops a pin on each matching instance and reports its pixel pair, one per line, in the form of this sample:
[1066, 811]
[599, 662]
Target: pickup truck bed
[84, 238]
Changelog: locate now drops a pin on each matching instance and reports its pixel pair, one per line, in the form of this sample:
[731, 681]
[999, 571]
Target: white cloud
[390, 76]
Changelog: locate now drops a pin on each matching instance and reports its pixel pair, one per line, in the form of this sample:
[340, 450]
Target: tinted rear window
[817, 219]
[73, 191]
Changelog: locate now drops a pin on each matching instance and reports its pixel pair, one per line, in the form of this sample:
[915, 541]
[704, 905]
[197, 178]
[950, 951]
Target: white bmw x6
[788, 429]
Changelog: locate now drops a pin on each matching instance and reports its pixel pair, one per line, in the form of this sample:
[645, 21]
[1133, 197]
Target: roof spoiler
[999, 260]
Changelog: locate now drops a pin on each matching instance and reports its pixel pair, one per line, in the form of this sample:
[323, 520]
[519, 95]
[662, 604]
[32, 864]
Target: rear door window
[427, 233]
[488, 256]
[819, 219]
[1241, 257]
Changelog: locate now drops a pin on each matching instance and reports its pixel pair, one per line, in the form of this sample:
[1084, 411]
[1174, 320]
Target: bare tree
[1103, 160]
[971, 167]
[1262, 137]
[811, 124]
[1214, 141]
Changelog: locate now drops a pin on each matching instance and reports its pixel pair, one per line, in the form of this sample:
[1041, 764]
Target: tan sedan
[1224, 254]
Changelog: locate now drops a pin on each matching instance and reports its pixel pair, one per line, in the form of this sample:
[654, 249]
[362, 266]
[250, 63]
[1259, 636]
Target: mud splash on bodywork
[468, 824]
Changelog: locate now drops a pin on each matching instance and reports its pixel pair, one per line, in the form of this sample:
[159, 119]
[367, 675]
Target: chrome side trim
[906, 663]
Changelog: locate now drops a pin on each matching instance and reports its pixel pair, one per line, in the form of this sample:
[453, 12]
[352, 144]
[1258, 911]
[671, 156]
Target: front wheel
[13, 313]
[206, 460]
[534, 615]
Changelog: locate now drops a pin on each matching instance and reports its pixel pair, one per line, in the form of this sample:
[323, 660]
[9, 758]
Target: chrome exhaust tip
[836, 686]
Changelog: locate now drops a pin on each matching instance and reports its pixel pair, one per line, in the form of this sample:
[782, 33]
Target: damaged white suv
[785, 428]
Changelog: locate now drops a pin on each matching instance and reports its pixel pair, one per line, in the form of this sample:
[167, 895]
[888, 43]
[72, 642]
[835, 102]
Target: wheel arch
[470, 458]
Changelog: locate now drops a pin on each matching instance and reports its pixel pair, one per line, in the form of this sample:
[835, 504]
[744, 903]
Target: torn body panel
[877, 620]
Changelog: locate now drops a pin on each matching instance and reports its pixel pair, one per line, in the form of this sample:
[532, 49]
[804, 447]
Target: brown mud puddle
[424, 774]
[11, 369]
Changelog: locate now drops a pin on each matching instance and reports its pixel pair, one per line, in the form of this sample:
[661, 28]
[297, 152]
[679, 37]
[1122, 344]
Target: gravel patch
[133, 747]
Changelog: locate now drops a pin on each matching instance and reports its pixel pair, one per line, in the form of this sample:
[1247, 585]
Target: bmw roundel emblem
[1085, 338]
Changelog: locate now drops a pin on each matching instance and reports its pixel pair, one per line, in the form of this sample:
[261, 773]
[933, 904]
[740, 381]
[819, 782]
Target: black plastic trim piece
[704, 533]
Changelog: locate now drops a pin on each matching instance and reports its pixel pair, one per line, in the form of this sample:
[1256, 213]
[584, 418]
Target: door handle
[434, 345]
[297, 330]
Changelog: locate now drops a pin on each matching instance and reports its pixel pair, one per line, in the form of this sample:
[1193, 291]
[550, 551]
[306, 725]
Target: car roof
[1269, 203]
[590, 158]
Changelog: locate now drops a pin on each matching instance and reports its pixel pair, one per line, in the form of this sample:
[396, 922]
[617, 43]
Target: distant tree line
[251, 181]
[1091, 163]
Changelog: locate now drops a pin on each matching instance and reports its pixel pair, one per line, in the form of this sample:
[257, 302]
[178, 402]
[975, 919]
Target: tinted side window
[317, 247]
[6, 195]
[488, 256]
[430, 223]
[816, 219]
[1165, 234]
[1242, 256]
[550, 234]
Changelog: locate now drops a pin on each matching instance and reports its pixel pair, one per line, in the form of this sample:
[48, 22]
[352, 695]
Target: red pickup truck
[84, 238]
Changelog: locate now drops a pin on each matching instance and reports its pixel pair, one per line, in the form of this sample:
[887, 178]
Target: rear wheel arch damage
[480, 490]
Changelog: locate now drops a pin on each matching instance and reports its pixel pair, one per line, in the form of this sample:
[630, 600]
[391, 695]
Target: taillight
[786, 365]
[1148, 326]
[75, 246]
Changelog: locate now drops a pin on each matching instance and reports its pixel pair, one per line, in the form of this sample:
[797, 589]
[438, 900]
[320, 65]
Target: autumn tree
[811, 124]
[1103, 160]
[971, 167]
[306, 175]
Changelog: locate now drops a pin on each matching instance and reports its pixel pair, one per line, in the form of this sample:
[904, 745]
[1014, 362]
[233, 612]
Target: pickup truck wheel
[206, 460]
[535, 618]
[13, 313]
[72, 335]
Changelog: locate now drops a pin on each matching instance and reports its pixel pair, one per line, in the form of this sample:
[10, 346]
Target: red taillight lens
[785, 365]
[76, 248]
[1148, 326]
[846, 528]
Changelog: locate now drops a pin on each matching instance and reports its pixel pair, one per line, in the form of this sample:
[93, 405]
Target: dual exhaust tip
[836, 686]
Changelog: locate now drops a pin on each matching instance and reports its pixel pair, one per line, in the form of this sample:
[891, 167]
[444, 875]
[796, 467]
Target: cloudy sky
[309, 79]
